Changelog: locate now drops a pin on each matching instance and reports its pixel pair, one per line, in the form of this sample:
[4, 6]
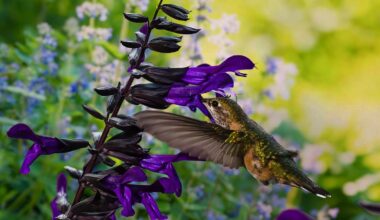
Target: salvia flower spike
[124, 184]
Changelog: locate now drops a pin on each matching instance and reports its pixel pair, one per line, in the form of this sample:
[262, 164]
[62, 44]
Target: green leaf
[24, 92]
[112, 49]
[5, 120]
[195, 207]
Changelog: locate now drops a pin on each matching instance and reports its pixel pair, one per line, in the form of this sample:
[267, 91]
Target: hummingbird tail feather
[318, 191]
[307, 184]
[299, 179]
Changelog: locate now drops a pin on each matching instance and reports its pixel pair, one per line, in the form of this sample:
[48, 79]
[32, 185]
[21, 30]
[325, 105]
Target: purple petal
[183, 95]
[144, 29]
[54, 209]
[293, 214]
[133, 174]
[124, 195]
[61, 183]
[33, 153]
[151, 207]
[42, 145]
[61, 188]
[163, 164]
[164, 158]
[197, 75]
[23, 131]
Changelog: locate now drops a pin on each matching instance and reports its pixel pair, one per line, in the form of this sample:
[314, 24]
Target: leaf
[123, 142]
[97, 205]
[134, 56]
[163, 24]
[112, 49]
[164, 75]
[93, 112]
[5, 120]
[140, 36]
[112, 102]
[177, 7]
[24, 92]
[124, 157]
[151, 95]
[106, 90]
[77, 143]
[74, 173]
[130, 44]
[176, 12]
[127, 135]
[127, 124]
[137, 18]
[164, 44]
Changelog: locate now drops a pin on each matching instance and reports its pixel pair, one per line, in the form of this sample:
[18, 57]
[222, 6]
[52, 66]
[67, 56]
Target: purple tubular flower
[184, 86]
[59, 201]
[293, 214]
[129, 193]
[163, 164]
[151, 206]
[42, 145]
[190, 96]
[202, 73]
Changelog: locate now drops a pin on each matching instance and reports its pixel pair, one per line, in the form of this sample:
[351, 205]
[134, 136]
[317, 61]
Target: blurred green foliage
[334, 103]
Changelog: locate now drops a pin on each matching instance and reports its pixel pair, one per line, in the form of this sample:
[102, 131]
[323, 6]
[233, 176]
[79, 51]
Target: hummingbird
[234, 141]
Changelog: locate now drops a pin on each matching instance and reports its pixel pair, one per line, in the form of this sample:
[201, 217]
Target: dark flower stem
[125, 91]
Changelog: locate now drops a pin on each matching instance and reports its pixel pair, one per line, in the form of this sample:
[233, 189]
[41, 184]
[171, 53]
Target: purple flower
[184, 86]
[203, 73]
[293, 214]
[128, 192]
[373, 208]
[60, 204]
[43, 145]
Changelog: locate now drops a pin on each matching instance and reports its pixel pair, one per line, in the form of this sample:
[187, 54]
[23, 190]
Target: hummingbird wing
[199, 139]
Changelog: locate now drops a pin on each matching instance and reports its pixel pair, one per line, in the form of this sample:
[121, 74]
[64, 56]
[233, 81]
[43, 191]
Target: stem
[125, 91]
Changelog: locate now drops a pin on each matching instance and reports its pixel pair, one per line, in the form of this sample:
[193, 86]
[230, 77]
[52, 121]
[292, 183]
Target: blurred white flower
[141, 4]
[71, 26]
[325, 19]
[228, 24]
[361, 184]
[283, 76]
[273, 116]
[89, 33]
[204, 5]
[92, 10]
[44, 28]
[99, 56]
[310, 158]
[247, 105]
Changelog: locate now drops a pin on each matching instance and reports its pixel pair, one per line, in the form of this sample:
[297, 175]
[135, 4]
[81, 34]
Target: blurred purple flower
[43, 145]
[293, 214]
[60, 201]
[371, 207]
[271, 65]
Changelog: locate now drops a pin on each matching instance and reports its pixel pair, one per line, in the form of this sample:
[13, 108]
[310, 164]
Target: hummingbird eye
[215, 103]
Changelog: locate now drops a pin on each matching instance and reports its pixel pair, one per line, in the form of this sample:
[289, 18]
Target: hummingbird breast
[257, 168]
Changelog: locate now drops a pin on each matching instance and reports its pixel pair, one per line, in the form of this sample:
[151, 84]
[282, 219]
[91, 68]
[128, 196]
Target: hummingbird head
[226, 112]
